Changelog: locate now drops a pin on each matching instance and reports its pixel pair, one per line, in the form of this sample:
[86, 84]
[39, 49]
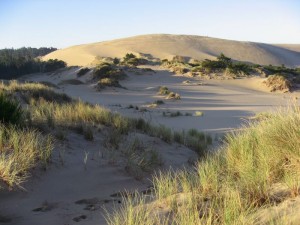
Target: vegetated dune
[166, 46]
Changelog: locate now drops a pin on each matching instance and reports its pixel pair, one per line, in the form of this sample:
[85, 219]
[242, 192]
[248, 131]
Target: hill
[166, 46]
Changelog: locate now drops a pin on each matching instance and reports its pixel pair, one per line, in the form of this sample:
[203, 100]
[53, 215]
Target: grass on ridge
[45, 108]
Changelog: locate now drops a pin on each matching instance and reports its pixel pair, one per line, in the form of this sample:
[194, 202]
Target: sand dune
[166, 46]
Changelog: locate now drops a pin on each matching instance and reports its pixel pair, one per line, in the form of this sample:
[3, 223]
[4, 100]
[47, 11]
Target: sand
[167, 46]
[225, 103]
[50, 196]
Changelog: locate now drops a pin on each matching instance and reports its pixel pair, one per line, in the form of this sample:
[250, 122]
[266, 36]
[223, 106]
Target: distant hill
[166, 46]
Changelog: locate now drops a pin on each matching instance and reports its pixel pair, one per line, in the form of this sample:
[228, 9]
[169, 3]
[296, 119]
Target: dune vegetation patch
[278, 83]
[33, 91]
[198, 113]
[83, 71]
[21, 146]
[107, 82]
[28, 144]
[163, 90]
[229, 186]
[224, 67]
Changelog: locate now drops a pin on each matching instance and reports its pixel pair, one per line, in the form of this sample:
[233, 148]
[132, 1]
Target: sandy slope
[68, 189]
[166, 46]
[225, 103]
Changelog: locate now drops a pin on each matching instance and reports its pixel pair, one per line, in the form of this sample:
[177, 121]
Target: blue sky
[62, 23]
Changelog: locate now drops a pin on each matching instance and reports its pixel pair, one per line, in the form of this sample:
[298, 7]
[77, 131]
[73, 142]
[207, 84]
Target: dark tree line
[17, 62]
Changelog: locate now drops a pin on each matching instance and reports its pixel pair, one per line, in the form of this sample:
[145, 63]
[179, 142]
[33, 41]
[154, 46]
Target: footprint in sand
[79, 218]
[93, 204]
[46, 206]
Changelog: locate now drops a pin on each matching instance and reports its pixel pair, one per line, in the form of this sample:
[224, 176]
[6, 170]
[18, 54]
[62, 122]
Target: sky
[63, 23]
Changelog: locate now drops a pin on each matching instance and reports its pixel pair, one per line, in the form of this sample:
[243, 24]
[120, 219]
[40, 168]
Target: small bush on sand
[278, 83]
[107, 82]
[198, 113]
[83, 71]
[173, 95]
[163, 90]
[159, 102]
[107, 70]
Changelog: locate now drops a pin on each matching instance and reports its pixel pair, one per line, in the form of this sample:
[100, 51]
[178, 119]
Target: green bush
[54, 64]
[10, 110]
[239, 69]
[129, 56]
[82, 71]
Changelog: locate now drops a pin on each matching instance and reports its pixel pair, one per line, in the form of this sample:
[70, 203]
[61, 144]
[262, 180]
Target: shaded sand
[166, 46]
[72, 192]
[225, 103]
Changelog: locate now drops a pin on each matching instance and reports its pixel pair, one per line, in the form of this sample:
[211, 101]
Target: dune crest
[166, 46]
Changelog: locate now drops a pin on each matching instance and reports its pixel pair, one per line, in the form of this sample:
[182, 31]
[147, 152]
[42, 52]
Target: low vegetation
[132, 60]
[21, 149]
[107, 82]
[225, 68]
[83, 71]
[230, 186]
[169, 95]
[108, 75]
[50, 112]
[278, 83]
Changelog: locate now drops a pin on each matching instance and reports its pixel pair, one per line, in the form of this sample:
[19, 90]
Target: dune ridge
[166, 46]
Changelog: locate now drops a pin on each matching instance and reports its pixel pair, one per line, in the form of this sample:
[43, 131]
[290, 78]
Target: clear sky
[62, 23]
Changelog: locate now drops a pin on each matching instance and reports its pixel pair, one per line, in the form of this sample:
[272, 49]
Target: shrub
[159, 102]
[116, 61]
[83, 71]
[173, 95]
[198, 113]
[278, 83]
[106, 70]
[163, 90]
[108, 82]
[239, 69]
[129, 56]
[10, 110]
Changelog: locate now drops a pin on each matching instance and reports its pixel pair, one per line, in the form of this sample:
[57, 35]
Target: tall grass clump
[36, 91]
[233, 184]
[10, 110]
[21, 150]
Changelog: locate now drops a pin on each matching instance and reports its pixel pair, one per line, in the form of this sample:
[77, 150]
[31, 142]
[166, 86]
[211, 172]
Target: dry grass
[21, 150]
[278, 83]
[230, 186]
